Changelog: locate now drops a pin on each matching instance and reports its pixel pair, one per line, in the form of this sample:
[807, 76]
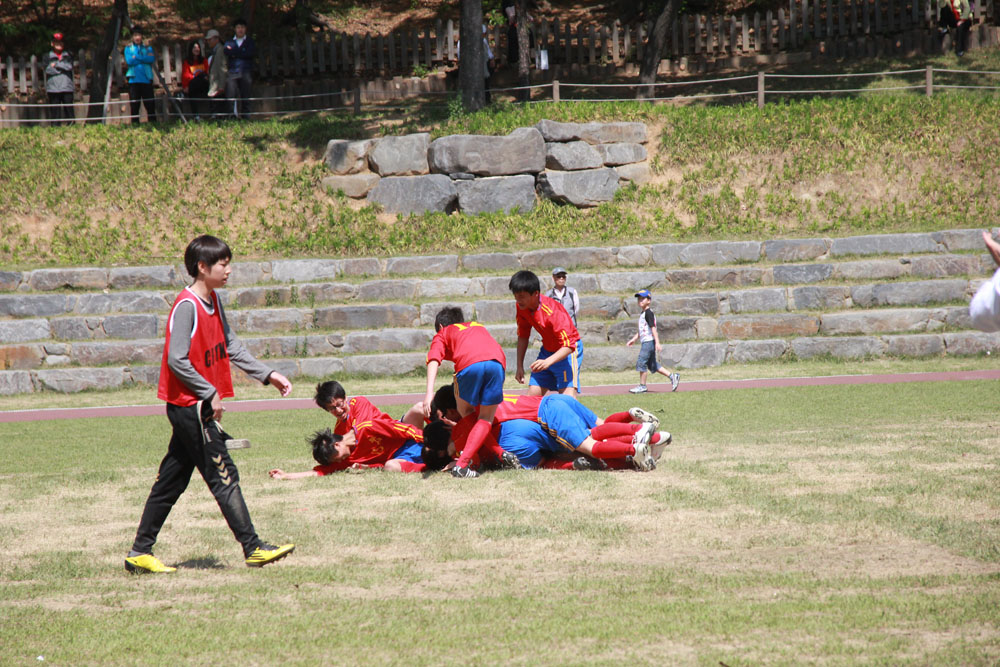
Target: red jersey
[208, 353]
[550, 320]
[465, 344]
[513, 406]
[190, 70]
[377, 436]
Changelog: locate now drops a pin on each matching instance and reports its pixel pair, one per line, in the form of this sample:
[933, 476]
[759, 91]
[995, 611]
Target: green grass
[784, 526]
[866, 162]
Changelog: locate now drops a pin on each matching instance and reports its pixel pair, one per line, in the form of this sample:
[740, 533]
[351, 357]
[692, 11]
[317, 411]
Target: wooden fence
[353, 55]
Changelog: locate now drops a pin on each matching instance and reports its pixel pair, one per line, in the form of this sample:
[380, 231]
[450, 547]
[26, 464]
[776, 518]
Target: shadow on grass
[208, 563]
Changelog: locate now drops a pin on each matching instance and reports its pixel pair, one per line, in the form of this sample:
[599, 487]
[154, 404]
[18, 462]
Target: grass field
[812, 525]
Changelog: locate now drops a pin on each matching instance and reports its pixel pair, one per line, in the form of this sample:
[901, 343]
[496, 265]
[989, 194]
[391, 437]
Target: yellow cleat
[268, 553]
[146, 563]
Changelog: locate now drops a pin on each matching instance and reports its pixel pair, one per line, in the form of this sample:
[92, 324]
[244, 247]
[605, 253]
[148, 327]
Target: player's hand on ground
[277, 473]
[519, 375]
[280, 383]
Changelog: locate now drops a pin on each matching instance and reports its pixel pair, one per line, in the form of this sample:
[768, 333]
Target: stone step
[690, 355]
[731, 327]
[249, 321]
[699, 254]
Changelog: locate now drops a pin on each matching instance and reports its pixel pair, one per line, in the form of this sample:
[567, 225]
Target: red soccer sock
[612, 449]
[477, 435]
[619, 417]
[556, 464]
[613, 430]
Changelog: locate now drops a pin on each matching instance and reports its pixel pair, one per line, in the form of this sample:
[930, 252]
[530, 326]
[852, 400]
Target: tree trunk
[247, 11]
[109, 42]
[654, 50]
[523, 57]
[471, 65]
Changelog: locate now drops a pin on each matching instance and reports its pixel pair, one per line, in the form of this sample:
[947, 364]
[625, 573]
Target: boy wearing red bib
[194, 378]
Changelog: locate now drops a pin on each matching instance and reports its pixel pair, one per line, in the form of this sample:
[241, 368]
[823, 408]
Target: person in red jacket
[194, 378]
[194, 79]
[363, 437]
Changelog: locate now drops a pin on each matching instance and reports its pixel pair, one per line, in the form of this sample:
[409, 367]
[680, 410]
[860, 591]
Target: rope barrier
[839, 90]
[964, 71]
[768, 75]
[655, 83]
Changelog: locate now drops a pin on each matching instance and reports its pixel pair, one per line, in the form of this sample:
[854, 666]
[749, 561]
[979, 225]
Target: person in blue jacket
[140, 59]
[240, 52]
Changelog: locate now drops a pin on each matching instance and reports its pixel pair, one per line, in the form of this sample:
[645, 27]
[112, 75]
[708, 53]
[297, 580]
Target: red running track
[603, 390]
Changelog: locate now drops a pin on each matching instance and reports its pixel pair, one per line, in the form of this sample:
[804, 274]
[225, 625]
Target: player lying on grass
[479, 373]
[571, 427]
[366, 437]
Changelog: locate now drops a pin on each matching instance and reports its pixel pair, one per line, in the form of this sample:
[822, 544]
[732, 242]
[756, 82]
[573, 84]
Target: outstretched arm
[278, 473]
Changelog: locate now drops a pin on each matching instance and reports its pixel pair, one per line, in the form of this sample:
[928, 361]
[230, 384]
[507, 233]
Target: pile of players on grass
[471, 425]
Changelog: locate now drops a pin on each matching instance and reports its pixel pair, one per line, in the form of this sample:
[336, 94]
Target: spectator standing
[570, 300]
[240, 52]
[194, 78]
[139, 58]
[955, 14]
[59, 82]
[216, 72]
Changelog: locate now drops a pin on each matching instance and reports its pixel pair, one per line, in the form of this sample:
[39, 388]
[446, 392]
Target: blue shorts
[566, 419]
[527, 439]
[410, 451]
[481, 383]
[559, 375]
[647, 357]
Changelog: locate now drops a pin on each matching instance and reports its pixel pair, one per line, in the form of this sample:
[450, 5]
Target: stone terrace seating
[716, 302]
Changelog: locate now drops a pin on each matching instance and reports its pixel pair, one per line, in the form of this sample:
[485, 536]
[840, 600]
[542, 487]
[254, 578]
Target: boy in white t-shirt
[985, 307]
[650, 341]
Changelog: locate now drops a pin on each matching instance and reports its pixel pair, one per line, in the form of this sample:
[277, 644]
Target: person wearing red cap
[59, 83]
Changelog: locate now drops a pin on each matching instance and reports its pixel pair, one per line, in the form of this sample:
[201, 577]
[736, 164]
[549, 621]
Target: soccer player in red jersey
[479, 374]
[194, 378]
[555, 368]
[363, 437]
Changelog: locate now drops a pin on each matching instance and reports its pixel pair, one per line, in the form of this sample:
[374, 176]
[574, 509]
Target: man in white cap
[570, 300]
[217, 71]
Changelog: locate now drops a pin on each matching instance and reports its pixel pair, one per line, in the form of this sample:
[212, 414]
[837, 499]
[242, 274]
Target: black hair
[240, 21]
[524, 281]
[447, 316]
[205, 248]
[137, 30]
[444, 400]
[190, 53]
[324, 446]
[327, 392]
[434, 452]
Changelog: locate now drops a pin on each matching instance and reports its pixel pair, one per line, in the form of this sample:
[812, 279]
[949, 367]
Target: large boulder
[618, 154]
[497, 193]
[355, 186]
[400, 156]
[572, 156]
[593, 133]
[583, 189]
[347, 157]
[520, 152]
[415, 194]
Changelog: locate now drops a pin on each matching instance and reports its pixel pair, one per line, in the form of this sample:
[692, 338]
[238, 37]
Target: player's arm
[278, 473]
[246, 362]
[522, 348]
[557, 356]
[432, 371]
[632, 340]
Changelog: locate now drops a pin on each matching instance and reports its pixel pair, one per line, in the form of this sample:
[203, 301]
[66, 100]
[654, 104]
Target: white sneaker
[656, 449]
[638, 389]
[675, 379]
[640, 415]
[642, 459]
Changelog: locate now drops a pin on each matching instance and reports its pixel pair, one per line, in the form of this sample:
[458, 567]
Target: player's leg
[479, 386]
[406, 459]
[415, 415]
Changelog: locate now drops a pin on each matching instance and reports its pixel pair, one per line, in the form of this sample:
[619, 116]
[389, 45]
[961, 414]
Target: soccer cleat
[144, 563]
[675, 379]
[640, 415]
[509, 461]
[656, 449]
[589, 463]
[268, 553]
[463, 472]
[643, 458]
[638, 389]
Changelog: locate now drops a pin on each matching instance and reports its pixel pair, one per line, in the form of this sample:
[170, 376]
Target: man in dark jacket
[240, 52]
[59, 82]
